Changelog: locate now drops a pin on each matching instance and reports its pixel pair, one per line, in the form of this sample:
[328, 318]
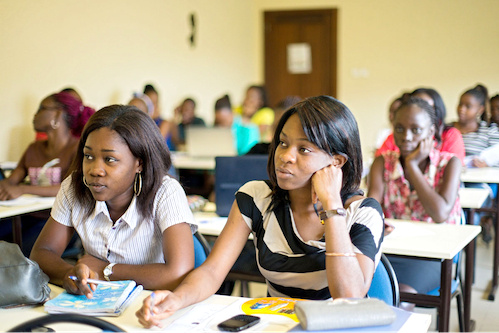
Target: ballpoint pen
[94, 281]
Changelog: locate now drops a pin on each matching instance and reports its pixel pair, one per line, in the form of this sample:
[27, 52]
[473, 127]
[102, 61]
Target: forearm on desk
[43, 191]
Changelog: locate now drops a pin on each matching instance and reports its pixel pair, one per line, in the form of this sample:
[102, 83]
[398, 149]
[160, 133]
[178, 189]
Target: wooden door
[300, 53]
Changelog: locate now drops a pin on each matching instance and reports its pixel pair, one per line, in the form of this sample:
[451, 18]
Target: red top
[452, 142]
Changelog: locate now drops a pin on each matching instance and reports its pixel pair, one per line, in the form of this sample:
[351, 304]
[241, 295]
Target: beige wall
[108, 49]
[449, 45]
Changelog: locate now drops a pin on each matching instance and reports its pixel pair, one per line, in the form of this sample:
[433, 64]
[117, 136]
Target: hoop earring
[54, 124]
[85, 182]
[137, 184]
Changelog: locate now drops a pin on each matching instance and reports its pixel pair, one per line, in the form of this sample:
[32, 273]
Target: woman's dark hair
[482, 96]
[425, 106]
[223, 103]
[440, 110]
[331, 126]
[149, 88]
[76, 114]
[189, 99]
[141, 135]
[263, 94]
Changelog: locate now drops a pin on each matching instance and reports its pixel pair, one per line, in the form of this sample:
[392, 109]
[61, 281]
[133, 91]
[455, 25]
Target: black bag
[21, 280]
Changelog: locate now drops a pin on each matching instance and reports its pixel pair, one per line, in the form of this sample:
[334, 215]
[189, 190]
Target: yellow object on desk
[271, 305]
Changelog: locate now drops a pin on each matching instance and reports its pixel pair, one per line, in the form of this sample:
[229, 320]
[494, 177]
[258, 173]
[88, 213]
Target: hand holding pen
[80, 284]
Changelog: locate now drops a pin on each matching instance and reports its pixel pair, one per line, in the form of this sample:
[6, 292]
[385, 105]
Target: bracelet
[336, 254]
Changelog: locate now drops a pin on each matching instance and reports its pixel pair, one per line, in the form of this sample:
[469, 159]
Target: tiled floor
[484, 312]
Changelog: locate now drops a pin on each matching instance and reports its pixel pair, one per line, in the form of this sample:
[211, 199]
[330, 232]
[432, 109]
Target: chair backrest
[201, 249]
[232, 172]
[384, 285]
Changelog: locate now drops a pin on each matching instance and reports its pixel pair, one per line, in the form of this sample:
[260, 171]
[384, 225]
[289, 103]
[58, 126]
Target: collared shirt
[132, 239]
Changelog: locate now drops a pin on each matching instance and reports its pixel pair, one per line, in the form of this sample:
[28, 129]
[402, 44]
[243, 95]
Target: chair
[384, 285]
[38, 324]
[201, 249]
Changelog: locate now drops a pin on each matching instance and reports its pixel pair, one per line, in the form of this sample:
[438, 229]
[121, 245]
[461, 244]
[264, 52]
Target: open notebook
[106, 301]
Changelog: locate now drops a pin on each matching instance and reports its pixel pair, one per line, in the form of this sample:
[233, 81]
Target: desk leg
[445, 296]
[493, 288]
[17, 231]
[469, 275]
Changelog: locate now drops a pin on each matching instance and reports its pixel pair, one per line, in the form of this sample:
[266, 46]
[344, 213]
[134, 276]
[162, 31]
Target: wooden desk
[203, 316]
[491, 176]
[440, 242]
[25, 204]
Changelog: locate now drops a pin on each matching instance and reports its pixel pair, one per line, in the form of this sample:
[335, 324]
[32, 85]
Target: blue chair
[384, 285]
[201, 249]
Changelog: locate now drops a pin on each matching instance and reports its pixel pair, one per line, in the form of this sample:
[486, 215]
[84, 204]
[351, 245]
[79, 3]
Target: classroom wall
[109, 49]
[449, 45]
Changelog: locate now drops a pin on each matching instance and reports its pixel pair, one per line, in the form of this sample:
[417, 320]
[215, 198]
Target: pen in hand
[151, 305]
[93, 281]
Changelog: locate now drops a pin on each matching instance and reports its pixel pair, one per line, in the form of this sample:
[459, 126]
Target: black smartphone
[238, 323]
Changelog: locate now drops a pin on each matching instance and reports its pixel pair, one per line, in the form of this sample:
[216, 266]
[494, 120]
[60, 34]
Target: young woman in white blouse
[133, 219]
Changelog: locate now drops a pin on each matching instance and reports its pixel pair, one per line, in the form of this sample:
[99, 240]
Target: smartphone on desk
[238, 323]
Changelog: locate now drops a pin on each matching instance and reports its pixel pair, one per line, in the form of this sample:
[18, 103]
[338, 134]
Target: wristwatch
[108, 271]
[325, 214]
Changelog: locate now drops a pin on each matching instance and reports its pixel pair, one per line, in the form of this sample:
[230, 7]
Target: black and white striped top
[485, 137]
[292, 267]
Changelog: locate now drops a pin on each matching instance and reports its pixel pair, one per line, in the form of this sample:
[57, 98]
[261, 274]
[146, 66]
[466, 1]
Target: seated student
[478, 135]
[450, 138]
[494, 109]
[132, 218]
[315, 160]
[187, 114]
[61, 117]
[255, 110]
[418, 183]
[381, 139]
[163, 124]
[246, 134]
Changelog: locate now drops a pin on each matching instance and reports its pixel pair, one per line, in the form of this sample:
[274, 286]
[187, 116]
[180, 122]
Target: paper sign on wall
[299, 56]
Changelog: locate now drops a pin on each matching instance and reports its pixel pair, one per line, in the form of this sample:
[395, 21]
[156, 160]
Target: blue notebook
[106, 301]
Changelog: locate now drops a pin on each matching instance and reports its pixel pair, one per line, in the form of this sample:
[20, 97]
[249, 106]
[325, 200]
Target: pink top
[452, 142]
[400, 202]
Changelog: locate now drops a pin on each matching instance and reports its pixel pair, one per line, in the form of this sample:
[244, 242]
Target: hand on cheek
[326, 184]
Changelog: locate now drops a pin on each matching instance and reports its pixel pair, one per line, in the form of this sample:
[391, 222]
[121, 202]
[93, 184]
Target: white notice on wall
[299, 58]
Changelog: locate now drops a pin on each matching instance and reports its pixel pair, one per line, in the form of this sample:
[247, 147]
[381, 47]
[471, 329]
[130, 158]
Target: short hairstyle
[263, 94]
[149, 88]
[143, 138]
[426, 107]
[223, 103]
[189, 99]
[331, 126]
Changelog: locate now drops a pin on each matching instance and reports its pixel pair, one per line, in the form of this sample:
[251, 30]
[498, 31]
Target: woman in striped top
[477, 133]
[133, 219]
[315, 235]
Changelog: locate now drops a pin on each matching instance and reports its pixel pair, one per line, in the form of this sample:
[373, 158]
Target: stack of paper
[107, 300]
